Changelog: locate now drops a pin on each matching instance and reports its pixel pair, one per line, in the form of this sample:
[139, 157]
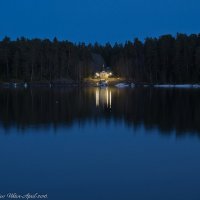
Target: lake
[96, 144]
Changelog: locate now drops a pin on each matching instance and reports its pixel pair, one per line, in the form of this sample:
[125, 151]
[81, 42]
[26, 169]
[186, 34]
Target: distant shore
[119, 83]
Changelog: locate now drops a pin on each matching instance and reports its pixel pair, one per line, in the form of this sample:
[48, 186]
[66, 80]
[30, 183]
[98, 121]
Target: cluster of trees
[42, 60]
[166, 59]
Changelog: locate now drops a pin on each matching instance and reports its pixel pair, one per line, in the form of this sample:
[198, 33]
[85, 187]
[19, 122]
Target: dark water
[137, 144]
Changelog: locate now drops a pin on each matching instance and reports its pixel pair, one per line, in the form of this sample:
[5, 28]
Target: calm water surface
[77, 144]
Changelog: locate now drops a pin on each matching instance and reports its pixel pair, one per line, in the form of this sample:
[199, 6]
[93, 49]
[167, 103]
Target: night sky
[98, 20]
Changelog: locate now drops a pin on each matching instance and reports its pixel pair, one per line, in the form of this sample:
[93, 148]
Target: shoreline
[118, 84]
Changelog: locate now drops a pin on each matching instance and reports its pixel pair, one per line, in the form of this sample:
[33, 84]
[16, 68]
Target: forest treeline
[166, 59]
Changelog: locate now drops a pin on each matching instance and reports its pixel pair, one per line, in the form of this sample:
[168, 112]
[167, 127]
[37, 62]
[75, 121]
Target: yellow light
[97, 97]
[107, 96]
[110, 99]
[97, 74]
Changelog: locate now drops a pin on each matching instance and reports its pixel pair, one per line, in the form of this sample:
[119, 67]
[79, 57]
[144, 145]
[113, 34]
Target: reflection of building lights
[110, 99]
[103, 97]
[107, 96]
[97, 97]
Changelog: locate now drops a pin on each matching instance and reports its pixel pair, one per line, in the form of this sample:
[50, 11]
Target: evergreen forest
[167, 59]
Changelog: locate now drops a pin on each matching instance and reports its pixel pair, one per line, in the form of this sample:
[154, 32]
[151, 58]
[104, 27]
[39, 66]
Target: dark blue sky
[98, 20]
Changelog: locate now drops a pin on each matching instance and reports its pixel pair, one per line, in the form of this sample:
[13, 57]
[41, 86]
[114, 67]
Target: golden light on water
[97, 98]
[110, 99]
[107, 96]
[103, 97]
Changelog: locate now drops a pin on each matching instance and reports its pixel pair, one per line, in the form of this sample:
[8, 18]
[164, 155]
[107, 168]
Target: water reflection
[103, 97]
[168, 110]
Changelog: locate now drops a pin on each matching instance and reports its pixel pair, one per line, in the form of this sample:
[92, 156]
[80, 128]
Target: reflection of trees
[162, 108]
